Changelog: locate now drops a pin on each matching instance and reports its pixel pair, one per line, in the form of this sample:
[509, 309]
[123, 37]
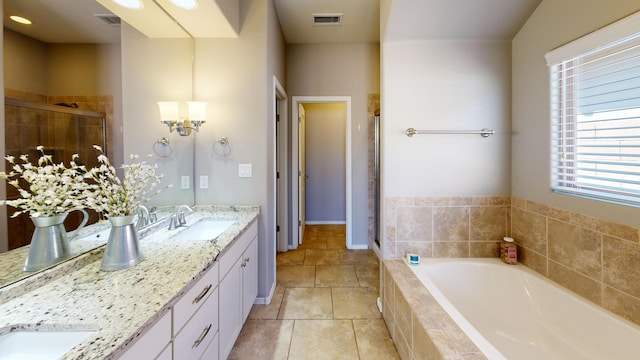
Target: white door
[302, 172]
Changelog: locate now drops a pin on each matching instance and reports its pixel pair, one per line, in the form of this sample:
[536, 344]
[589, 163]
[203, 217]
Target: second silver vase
[123, 250]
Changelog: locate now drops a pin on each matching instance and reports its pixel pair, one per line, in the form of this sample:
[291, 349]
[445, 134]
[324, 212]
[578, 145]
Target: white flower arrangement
[111, 196]
[53, 189]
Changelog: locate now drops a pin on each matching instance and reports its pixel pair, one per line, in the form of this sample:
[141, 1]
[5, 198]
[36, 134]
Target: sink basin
[39, 345]
[205, 229]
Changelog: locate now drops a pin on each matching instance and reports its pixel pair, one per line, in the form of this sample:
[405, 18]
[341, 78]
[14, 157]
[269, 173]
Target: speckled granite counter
[122, 304]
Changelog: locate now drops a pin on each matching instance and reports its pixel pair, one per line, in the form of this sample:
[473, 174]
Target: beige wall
[26, 59]
[546, 29]
[341, 70]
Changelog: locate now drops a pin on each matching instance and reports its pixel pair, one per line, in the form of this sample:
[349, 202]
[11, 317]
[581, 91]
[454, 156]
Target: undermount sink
[39, 345]
[206, 229]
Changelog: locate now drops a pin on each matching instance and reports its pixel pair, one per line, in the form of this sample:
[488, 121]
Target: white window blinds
[595, 114]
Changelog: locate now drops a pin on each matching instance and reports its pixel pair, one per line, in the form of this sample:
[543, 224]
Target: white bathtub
[511, 312]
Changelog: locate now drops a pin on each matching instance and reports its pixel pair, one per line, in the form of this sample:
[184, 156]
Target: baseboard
[325, 222]
[266, 300]
[359, 247]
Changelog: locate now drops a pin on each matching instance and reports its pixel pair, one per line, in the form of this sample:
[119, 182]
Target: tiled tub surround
[419, 326]
[445, 227]
[122, 304]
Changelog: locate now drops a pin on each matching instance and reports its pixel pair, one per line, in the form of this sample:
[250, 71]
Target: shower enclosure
[63, 131]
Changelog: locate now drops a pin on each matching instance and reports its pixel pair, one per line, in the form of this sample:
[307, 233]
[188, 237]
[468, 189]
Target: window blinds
[595, 114]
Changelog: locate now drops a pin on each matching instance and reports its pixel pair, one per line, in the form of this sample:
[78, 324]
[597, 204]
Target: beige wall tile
[622, 304]
[584, 286]
[423, 347]
[450, 224]
[451, 249]
[422, 248]
[575, 247]
[552, 212]
[413, 224]
[529, 230]
[488, 222]
[389, 319]
[618, 255]
[403, 317]
[533, 260]
[404, 350]
[484, 249]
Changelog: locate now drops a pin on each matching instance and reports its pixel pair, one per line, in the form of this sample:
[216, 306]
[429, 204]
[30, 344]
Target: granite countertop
[122, 304]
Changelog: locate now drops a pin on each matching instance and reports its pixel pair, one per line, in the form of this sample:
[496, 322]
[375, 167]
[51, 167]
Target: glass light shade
[197, 110]
[20, 19]
[130, 4]
[186, 4]
[169, 110]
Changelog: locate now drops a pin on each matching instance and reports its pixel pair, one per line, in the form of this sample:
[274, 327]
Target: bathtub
[511, 312]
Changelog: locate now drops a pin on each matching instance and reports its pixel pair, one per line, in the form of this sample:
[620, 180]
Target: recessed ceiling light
[186, 4]
[131, 4]
[20, 19]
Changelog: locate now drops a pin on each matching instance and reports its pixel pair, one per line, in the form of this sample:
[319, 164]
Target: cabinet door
[230, 308]
[249, 278]
[152, 342]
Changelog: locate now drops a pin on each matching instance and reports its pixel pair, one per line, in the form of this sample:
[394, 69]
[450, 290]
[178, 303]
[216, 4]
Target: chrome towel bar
[484, 132]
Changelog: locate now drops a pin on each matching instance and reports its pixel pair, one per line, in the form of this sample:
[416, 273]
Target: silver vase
[122, 249]
[49, 242]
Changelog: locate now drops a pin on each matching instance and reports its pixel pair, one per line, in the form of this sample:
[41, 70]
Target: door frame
[281, 205]
[295, 100]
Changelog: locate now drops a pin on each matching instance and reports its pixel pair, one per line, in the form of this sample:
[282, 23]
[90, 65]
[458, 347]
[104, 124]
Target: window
[595, 114]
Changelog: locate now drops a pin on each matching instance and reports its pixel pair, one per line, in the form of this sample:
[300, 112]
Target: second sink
[205, 229]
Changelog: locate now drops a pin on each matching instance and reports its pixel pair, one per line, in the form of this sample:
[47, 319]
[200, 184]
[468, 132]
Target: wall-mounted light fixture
[170, 116]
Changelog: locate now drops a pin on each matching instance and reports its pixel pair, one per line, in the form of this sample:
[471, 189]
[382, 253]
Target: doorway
[298, 171]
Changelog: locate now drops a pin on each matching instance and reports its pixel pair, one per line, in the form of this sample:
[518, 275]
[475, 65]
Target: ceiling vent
[327, 19]
[109, 19]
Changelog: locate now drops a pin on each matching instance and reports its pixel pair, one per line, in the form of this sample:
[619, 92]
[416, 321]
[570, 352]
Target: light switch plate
[204, 182]
[245, 170]
[184, 182]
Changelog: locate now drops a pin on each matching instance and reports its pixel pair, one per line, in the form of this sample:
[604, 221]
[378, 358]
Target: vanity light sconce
[169, 115]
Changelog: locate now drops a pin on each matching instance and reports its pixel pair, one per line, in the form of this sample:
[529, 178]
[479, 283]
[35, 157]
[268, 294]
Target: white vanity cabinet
[238, 287]
[155, 343]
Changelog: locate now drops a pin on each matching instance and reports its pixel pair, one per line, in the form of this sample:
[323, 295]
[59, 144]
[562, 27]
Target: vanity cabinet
[238, 287]
[155, 343]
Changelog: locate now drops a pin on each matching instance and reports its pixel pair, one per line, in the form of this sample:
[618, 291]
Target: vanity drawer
[235, 251]
[152, 342]
[194, 298]
[192, 341]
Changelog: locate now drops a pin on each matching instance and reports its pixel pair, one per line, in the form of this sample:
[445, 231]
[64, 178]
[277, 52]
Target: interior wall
[325, 163]
[25, 65]
[341, 70]
[546, 29]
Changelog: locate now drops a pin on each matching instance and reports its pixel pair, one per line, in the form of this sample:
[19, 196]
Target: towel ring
[164, 143]
[222, 147]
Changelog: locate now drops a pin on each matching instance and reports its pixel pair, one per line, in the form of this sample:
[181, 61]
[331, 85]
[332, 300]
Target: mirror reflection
[63, 90]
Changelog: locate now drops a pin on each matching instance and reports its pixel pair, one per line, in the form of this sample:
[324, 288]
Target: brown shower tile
[622, 304]
[373, 340]
[306, 303]
[263, 339]
[321, 257]
[296, 275]
[323, 339]
[575, 247]
[533, 260]
[403, 317]
[293, 257]
[336, 275]
[355, 303]
[549, 211]
[269, 311]
[422, 248]
[450, 223]
[484, 249]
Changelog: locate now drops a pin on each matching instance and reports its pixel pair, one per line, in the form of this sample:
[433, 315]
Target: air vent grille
[327, 19]
[109, 19]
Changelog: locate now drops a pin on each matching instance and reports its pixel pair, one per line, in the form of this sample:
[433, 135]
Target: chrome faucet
[179, 218]
[144, 218]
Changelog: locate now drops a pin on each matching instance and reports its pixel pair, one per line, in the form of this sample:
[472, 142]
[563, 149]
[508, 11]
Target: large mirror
[71, 56]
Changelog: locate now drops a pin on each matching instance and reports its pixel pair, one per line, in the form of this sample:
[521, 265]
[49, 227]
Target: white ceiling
[73, 21]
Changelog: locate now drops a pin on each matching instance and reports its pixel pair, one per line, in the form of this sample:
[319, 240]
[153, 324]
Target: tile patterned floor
[324, 305]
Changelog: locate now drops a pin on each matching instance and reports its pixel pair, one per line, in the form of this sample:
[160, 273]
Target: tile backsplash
[597, 259]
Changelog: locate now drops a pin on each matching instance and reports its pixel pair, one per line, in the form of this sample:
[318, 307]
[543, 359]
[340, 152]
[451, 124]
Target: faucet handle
[173, 222]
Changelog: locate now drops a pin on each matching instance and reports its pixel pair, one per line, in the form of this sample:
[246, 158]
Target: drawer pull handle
[202, 294]
[202, 336]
